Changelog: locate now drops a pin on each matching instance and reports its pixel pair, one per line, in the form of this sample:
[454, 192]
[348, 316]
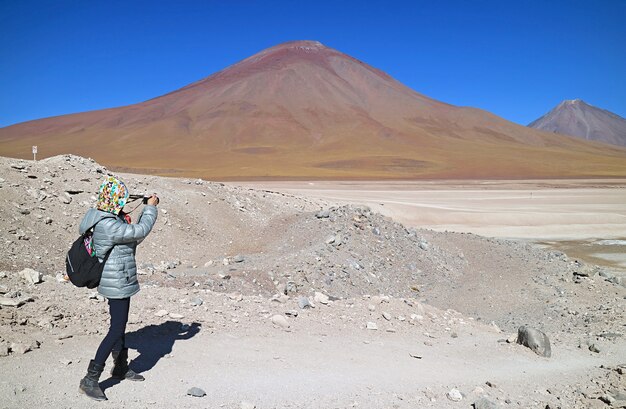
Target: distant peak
[307, 45]
[576, 101]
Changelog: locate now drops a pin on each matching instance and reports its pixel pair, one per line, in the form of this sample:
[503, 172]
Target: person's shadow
[153, 342]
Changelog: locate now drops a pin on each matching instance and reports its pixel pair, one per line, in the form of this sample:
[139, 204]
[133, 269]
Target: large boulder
[535, 340]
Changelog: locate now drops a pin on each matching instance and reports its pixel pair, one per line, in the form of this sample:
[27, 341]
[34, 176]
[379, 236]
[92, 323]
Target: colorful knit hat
[113, 195]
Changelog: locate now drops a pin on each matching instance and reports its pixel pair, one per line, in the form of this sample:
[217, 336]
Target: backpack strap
[106, 256]
[94, 225]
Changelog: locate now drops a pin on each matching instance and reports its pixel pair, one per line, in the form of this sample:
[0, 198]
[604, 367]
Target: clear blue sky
[517, 59]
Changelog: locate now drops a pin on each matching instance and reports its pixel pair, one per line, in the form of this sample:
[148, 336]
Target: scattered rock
[161, 313]
[371, 326]
[534, 339]
[594, 348]
[303, 302]
[19, 348]
[323, 214]
[14, 302]
[485, 403]
[321, 298]
[31, 276]
[454, 395]
[238, 258]
[196, 302]
[387, 316]
[197, 392]
[280, 321]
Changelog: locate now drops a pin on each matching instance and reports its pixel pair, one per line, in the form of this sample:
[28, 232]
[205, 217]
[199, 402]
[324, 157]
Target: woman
[113, 232]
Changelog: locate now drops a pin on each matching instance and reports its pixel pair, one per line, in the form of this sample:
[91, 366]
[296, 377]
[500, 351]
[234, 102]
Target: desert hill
[301, 110]
[577, 118]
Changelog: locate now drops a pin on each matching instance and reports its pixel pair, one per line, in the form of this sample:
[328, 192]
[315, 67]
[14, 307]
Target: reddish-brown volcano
[302, 110]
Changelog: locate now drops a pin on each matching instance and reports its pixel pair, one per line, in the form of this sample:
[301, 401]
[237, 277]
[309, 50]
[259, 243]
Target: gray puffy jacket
[119, 276]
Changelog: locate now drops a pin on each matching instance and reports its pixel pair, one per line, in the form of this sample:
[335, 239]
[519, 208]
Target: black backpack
[83, 269]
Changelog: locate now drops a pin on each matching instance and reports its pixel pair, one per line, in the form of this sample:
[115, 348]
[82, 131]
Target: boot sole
[128, 379]
[92, 397]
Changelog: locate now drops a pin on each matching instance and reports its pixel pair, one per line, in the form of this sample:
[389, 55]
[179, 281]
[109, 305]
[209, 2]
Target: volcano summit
[301, 110]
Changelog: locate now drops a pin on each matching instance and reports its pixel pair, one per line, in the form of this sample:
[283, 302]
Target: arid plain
[583, 218]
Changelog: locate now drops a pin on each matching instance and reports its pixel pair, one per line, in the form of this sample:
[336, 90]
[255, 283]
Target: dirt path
[278, 369]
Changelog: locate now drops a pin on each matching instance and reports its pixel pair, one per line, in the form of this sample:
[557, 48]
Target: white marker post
[35, 153]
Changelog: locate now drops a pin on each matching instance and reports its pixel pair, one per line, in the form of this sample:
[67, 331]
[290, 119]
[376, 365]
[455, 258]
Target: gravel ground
[401, 317]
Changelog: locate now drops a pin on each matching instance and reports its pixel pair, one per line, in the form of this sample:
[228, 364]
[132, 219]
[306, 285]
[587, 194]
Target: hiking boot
[89, 384]
[121, 370]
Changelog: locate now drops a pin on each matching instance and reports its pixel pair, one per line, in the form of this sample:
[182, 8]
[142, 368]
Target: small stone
[371, 326]
[320, 298]
[31, 276]
[197, 392]
[303, 302]
[236, 297]
[291, 313]
[371, 307]
[290, 287]
[209, 263]
[323, 214]
[18, 348]
[95, 296]
[62, 278]
[196, 302]
[247, 405]
[485, 403]
[4, 350]
[238, 258]
[329, 239]
[454, 395]
[387, 316]
[280, 320]
[176, 316]
[424, 245]
[161, 313]
[594, 348]
[534, 339]
[14, 302]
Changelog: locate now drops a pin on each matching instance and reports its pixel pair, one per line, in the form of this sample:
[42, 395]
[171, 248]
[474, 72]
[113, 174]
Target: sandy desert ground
[268, 299]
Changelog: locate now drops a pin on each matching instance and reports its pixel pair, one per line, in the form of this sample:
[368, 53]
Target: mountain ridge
[301, 110]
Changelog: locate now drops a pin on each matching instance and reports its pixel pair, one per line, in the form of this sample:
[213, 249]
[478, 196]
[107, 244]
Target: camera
[144, 198]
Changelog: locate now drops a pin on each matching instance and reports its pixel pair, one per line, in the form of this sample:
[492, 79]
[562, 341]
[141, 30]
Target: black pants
[114, 340]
